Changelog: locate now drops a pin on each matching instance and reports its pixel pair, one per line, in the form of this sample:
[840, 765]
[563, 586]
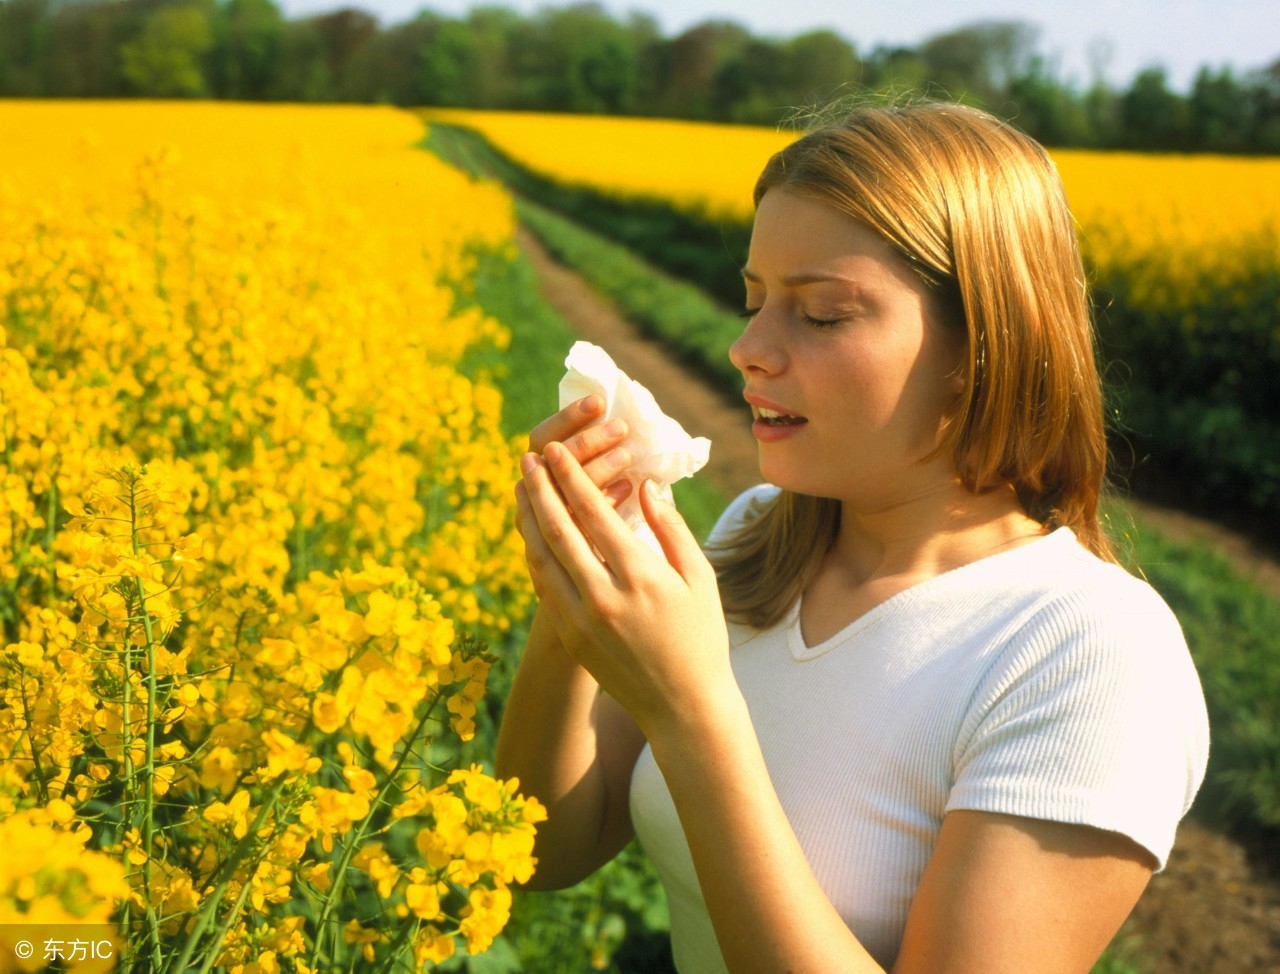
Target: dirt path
[1209, 912]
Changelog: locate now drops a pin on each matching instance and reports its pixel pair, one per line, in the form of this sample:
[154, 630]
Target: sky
[1180, 35]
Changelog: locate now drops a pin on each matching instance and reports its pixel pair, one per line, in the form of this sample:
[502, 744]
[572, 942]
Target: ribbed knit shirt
[1041, 682]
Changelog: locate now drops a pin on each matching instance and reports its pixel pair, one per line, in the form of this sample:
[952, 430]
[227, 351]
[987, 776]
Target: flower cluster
[255, 532]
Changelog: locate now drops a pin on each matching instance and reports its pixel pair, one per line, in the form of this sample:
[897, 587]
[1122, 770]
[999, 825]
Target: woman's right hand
[597, 447]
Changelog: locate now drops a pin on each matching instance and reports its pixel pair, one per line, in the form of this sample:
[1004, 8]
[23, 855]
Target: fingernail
[618, 458]
[615, 427]
[618, 491]
[590, 405]
[651, 489]
[528, 463]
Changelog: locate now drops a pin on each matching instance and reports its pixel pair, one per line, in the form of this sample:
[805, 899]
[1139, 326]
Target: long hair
[976, 208]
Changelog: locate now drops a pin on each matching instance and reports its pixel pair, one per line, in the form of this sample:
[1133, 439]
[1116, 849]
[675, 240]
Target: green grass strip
[694, 327]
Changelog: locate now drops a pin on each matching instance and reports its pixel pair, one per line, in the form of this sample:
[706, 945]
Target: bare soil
[1216, 907]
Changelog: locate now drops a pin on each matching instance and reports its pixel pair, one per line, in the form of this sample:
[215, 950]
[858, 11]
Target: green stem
[149, 742]
[331, 896]
[209, 906]
[149, 798]
[212, 953]
[41, 778]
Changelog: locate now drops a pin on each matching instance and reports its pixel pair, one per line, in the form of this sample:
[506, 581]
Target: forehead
[798, 238]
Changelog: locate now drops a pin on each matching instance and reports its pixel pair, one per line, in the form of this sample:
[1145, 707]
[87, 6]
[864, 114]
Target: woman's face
[841, 345]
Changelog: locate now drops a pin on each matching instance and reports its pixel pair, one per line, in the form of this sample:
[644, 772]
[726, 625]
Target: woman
[914, 718]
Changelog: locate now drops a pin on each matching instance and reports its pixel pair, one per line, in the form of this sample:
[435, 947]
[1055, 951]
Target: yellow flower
[384, 873]
[432, 946]
[355, 933]
[284, 754]
[220, 769]
[423, 899]
[234, 813]
[487, 912]
[239, 540]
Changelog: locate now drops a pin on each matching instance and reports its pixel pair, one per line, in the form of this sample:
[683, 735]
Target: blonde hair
[977, 210]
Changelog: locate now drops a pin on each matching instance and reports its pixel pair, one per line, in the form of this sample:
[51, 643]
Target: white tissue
[660, 449]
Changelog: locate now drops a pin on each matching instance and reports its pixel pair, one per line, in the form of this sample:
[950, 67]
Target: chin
[786, 476]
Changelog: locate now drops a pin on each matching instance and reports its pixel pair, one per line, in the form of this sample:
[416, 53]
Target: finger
[617, 492]
[596, 443]
[599, 523]
[558, 531]
[678, 543]
[550, 581]
[607, 468]
[565, 423]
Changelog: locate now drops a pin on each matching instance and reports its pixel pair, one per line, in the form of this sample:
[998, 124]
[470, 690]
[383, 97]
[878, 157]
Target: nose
[757, 350]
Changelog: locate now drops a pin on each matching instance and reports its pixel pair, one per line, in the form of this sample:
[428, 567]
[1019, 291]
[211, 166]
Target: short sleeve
[1091, 714]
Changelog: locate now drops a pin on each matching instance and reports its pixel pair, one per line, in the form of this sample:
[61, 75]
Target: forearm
[550, 740]
[769, 912]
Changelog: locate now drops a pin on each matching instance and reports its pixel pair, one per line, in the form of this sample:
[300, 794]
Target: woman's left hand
[649, 630]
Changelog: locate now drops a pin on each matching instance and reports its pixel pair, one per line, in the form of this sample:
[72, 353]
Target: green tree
[1046, 108]
[492, 29]
[302, 70]
[449, 71]
[247, 37]
[166, 59]
[1151, 116]
[81, 57]
[689, 65]
[820, 65]
[751, 83]
[23, 39]
[1218, 112]
[342, 33]
[895, 69]
[386, 68]
[979, 61]
[592, 60]
[1263, 94]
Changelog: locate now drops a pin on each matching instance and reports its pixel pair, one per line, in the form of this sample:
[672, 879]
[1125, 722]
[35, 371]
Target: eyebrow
[798, 280]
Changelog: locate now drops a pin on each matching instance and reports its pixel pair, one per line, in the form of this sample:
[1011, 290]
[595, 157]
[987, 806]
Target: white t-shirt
[1041, 682]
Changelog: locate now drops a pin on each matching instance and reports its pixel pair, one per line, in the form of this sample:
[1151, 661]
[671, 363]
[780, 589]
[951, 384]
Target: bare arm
[574, 749]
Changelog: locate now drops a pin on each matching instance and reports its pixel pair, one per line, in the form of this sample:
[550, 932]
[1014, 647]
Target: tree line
[580, 58]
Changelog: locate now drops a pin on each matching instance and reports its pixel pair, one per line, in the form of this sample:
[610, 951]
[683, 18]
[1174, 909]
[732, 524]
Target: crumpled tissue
[660, 449]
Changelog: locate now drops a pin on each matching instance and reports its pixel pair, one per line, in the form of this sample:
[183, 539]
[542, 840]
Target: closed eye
[819, 322]
[748, 313]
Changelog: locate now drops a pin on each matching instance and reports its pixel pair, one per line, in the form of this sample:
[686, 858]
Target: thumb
[678, 543]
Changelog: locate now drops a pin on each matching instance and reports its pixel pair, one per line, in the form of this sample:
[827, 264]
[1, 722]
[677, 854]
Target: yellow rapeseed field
[706, 167]
[254, 521]
[699, 166]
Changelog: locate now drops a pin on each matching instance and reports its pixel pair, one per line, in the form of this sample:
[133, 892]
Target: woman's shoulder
[1086, 620]
[1078, 577]
[742, 510]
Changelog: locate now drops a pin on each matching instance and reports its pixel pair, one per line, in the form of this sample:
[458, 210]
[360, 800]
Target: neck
[933, 531]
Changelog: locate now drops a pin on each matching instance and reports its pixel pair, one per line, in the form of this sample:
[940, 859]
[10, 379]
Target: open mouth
[771, 417]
